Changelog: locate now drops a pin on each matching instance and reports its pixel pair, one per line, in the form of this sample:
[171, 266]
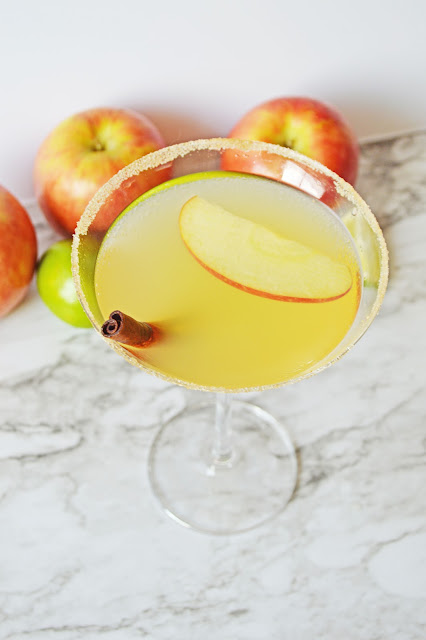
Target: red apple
[83, 153]
[18, 251]
[303, 124]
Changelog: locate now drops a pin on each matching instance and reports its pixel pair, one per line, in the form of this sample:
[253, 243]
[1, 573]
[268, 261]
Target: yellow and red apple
[18, 251]
[84, 152]
[252, 258]
[308, 126]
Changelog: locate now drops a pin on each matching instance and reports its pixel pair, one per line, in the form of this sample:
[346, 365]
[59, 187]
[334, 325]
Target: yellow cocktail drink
[216, 332]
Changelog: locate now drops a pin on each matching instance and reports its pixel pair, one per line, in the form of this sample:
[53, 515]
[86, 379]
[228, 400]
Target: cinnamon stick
[126, 330]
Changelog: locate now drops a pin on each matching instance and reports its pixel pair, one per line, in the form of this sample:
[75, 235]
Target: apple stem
[98, 146]
[288, 144]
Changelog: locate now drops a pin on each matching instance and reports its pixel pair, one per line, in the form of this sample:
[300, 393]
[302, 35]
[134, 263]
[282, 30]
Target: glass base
[229, 496]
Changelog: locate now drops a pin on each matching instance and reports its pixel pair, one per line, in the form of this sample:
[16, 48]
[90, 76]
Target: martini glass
[223, 465]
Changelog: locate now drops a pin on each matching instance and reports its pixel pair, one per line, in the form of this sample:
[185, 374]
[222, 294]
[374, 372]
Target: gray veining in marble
[86, 553]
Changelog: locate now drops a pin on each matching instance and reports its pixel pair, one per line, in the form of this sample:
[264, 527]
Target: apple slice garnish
[250, 257]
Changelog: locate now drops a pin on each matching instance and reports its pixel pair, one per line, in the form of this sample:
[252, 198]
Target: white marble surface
[85, 552]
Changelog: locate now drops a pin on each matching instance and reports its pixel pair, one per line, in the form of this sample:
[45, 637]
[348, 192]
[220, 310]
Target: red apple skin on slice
[200, 219]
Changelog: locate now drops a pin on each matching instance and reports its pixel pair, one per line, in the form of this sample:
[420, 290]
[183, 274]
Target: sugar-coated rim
[171, 153]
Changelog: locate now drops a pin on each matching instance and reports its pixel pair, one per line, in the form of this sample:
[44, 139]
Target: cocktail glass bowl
[226, 466]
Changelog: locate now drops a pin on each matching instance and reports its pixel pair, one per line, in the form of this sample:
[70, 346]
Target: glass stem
[222, 447]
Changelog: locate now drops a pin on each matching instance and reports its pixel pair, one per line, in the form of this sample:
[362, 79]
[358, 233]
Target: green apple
[56, 286]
